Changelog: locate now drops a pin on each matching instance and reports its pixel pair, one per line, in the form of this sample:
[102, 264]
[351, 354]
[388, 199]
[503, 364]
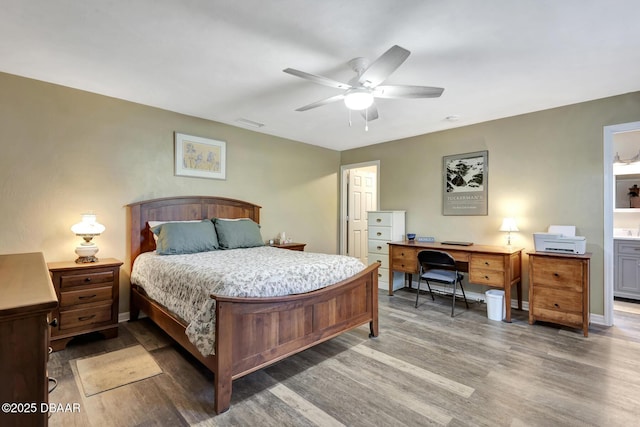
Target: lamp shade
[509, 224]
[88, 226]
[358, 99]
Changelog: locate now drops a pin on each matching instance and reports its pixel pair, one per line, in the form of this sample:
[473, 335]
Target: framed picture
[465, 184]
[200, 157]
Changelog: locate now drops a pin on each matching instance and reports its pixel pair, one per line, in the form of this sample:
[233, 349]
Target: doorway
[359, 193]
[609, 144]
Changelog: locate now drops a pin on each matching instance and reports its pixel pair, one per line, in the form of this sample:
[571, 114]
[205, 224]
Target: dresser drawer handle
[486, 263]
[486, 277]
[378, 234]
[556, 304]
[379, 275]
[379, 247]
[379, 261]
[54, 322]
[556, 275]
[83, 318]
[378, 219]
[88, 296]
[87, 279]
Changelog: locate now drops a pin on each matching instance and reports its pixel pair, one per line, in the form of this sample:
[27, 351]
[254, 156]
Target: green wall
[544, 168]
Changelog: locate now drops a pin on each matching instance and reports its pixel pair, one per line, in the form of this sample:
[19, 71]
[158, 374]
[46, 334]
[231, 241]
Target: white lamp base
[86, 253]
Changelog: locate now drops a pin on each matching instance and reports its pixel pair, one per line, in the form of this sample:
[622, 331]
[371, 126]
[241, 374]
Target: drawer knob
[378, 247]
[401, 265]
[556, 275]
[379, 275]
[87, 296]
[486, 263]
[556, 304]
[83, 318]
[486, 277]
[54, 322]
[378, 219]
[378, 234]
[379, 261]
[87, 279]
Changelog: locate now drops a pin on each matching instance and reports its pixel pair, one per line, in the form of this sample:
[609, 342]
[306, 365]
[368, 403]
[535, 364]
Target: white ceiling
[223, 60]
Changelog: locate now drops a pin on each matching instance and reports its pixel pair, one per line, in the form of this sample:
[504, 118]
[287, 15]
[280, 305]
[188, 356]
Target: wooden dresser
[88, 295]
[27, 297]
[559, 289]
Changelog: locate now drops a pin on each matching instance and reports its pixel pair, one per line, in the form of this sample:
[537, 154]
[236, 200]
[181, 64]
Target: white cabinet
[627, 269]
[384, 227]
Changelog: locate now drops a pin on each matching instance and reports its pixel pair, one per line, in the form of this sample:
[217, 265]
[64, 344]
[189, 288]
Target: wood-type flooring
[425, 368]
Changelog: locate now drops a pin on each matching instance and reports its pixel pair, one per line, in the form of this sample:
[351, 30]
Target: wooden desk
[494, 266]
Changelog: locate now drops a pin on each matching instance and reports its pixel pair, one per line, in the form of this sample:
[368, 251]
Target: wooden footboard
[252, 333]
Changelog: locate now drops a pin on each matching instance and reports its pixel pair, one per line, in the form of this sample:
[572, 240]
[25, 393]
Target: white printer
[560, 239]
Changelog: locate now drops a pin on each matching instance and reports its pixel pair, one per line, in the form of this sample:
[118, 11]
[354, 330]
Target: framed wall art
[200, 157]
[465, 183]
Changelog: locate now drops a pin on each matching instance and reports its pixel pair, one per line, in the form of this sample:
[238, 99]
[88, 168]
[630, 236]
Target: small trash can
[495, 304]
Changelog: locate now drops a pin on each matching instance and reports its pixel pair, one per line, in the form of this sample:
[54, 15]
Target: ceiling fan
[360, 91]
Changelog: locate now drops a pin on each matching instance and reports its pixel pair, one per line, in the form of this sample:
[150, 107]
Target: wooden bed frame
[251, 333]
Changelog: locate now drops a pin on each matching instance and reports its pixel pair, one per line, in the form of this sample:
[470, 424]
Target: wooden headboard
[180, 208]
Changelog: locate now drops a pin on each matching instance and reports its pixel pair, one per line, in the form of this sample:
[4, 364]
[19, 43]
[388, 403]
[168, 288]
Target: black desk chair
[439, 267]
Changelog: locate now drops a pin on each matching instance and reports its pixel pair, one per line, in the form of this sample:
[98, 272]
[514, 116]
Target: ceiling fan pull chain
[366, 120]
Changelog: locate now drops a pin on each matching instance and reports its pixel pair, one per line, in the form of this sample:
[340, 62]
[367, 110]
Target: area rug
[115, 369]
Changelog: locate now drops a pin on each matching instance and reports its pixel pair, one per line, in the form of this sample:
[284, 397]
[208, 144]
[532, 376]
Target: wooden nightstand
[88, 299]
[291, 246]
[559, 289]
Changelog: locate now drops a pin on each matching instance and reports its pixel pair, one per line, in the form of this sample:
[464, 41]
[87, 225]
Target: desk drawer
[487, 262]
[381, 233]
[481, 276]
[404, 259]
[378, 247]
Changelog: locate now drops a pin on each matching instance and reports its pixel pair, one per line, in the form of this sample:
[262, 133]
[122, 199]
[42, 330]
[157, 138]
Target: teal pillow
[238, 233]
[176, 238]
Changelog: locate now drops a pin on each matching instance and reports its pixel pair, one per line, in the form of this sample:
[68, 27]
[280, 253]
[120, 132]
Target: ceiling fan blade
[317, 79]
[382, 67]
[321, 102]
[370, 113]
[399, 91]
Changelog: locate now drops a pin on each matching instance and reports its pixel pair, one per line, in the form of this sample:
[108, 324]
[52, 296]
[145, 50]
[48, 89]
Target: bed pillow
[176, 238]
[154, 224]
[238, 233]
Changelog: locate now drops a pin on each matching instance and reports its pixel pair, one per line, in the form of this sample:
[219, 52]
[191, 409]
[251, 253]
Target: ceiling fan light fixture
[358, 99]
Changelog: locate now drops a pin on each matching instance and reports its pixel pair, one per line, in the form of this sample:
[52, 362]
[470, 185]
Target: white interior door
[362, 190]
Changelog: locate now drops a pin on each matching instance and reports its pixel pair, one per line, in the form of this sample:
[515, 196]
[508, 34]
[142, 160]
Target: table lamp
[509, 225]
[88, 228]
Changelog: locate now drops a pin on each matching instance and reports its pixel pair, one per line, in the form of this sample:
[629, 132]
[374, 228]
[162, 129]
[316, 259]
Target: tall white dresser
[384, 227]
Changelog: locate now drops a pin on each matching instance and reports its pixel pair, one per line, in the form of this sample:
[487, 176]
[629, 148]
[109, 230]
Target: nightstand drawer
[71, 280]
[557, 274]
[557, 300]
[84, 296]
[88, 316]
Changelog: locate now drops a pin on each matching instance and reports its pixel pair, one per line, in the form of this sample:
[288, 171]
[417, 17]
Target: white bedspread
[184, 283]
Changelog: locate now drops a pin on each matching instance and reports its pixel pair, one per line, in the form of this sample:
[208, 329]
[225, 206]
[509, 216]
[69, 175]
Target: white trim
[609, 194]
[343, 197]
